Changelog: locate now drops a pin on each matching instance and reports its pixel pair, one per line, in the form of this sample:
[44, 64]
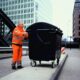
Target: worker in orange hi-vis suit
[17, 38]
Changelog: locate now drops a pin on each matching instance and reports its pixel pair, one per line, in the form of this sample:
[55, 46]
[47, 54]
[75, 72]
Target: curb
[59, 68]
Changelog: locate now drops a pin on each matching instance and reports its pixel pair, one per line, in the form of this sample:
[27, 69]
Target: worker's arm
[18, 33]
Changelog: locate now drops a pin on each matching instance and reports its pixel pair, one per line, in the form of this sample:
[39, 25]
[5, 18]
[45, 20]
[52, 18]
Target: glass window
[28, 10]
[0, 5]
[24, 21]
[18, 11]
[9, 2]
[6, 8]
[21, 16]
[28, 21]
[18, 17]
[21, 1]
[18, 1]
[32, 9]
[25, 11]
[28, 0]
[18, 6]
[31, 15]
[31, 21]
[25, 16]
[32, 4]
[79, 21]
[28, 4]
[22, 6]
[15, 1]
[79, 27]
[28, 15]
[79, 16]
[25, 0]
[15, 12]
[25, 5]
[6, 3]
[3, 9]
[12, 2]
[37, 6]
[21, 11]
[79, 33]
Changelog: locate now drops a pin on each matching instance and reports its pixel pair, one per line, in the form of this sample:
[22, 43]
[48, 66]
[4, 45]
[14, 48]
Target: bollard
[63, 50]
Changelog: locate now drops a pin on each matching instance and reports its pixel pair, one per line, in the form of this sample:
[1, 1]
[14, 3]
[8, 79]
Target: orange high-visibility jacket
[17, 37]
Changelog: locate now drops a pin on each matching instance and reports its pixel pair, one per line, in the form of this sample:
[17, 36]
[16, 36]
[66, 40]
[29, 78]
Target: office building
[76, 21]
[29, 11]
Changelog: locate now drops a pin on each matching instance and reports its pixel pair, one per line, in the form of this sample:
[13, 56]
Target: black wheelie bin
[44, 42]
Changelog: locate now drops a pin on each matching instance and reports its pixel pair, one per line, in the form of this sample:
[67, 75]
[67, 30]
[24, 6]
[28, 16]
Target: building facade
[76, 21]
[29, 11]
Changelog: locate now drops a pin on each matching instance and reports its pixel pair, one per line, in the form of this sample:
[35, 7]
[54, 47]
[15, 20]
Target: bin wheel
[33, 63]
[52, 64]
[57, 61]
[40, 62]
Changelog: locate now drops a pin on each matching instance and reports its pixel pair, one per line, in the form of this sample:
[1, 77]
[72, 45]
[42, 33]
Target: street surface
[71, 69]
[40, 72]
[5, 65]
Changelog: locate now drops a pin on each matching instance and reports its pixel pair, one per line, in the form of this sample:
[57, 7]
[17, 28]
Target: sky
[62, 15]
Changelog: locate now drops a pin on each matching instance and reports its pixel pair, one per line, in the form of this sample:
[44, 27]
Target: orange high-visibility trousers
[17, 53]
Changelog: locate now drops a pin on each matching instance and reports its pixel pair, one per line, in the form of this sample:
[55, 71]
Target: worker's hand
[25, 34]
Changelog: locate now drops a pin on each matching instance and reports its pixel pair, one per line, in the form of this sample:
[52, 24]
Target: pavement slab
[40, 72]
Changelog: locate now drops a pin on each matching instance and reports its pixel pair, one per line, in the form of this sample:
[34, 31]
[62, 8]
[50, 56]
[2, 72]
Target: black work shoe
[14, 67]
[19, 67]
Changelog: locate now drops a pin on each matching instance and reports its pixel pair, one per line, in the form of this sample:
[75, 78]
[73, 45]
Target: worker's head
[20, 24]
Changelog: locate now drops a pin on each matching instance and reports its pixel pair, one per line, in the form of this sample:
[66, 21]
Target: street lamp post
[70, 41]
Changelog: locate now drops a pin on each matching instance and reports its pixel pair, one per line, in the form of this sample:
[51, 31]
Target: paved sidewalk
[71, 69]
[36, 73]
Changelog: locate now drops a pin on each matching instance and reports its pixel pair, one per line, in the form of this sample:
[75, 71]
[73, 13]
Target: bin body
[44, 41]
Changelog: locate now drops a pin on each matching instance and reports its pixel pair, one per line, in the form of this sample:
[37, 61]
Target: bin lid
[44, 26]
